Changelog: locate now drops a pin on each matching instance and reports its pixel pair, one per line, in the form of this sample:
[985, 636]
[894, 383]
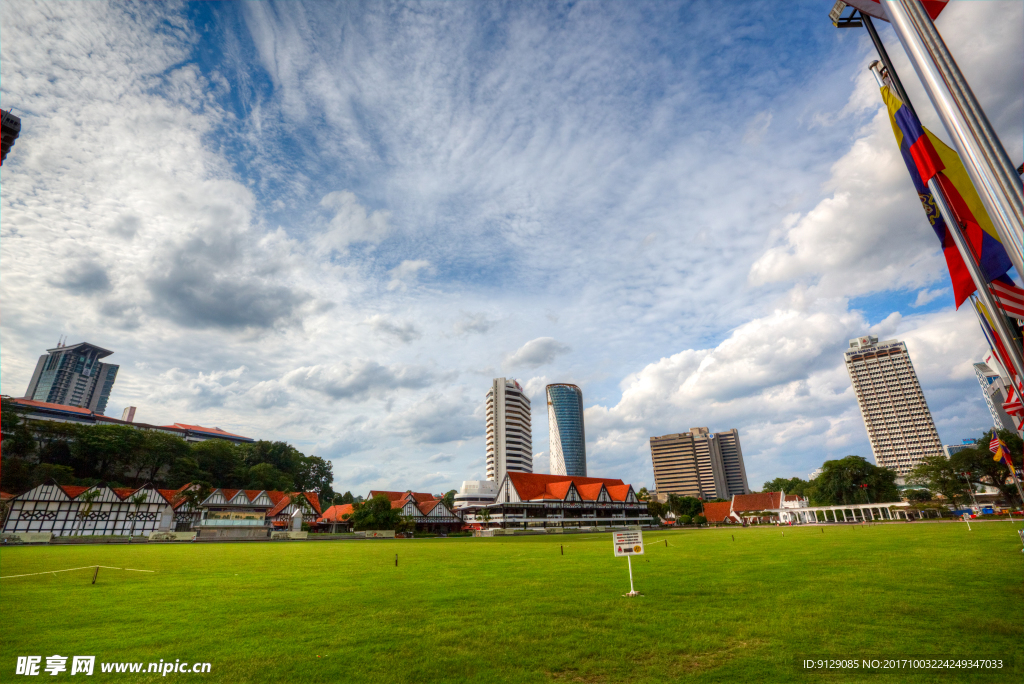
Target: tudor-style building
[66, 510]
[252, 513]
[429, 513]
[533, 500]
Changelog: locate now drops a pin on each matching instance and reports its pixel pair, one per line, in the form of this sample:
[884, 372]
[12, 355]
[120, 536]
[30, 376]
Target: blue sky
[334, 223]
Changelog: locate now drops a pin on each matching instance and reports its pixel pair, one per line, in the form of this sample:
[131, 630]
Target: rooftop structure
[896, 415]
[73, 376]
[41, 410]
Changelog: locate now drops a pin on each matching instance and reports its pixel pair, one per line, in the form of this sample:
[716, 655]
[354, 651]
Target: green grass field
[515, 610]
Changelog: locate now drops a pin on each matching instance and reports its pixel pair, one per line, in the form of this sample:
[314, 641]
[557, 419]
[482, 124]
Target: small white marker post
[628, 544]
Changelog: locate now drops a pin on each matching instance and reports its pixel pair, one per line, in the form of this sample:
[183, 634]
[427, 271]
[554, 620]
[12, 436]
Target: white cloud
[538, 352]
[403, 331]
[928, 296]
[351, 222]
[408, 272]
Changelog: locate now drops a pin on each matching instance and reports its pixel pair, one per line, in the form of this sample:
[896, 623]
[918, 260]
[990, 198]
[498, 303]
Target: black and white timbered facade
[525, 500]
[64, 510]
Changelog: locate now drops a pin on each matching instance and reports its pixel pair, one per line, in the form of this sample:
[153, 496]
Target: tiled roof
[58, 407]
[589, 492]
[717, 511]
[758, 501]
[229, 494]
[284, 500]
[533, 486]
[73, 490]
[200, 428]
[618, 492]
[335, 513]
[123, 492]
[793, 497]
[402, 496]
[4, 496]
[427, 506]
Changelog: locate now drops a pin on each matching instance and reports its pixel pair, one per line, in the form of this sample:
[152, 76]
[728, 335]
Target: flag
[1010, 298]
[997, 447]
[928, 157]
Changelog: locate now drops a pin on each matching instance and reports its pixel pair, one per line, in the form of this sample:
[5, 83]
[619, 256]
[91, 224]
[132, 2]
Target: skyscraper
[993, 388]
[509, 437]
[567, 441]
[73, 376]
[699, 463]
[899, 424]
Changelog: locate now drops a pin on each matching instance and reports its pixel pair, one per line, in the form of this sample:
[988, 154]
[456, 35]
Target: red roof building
[527, 500]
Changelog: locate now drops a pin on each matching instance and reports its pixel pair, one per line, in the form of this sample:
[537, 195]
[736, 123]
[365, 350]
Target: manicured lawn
[516, 610]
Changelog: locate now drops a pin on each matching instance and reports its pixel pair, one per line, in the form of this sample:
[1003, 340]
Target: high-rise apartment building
[567, 441]
[73, 376]
[993, 388]
[699, 463]
[509, 437]
[899, 424]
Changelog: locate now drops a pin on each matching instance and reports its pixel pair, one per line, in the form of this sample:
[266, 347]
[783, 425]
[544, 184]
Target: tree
[793, 485]
[449, 498]
[104, 451]
[18, 440]
[684, 519]
[346, 498]
[406, 525]
[223, 461]
[643, 494]
[375, 514]
[185, 470]
[657, 510]
[684, 505]
[919, 495]
[315, 474]
[981, 469]
[940, 475]
[840, 483]
[266, 476]
[88, 498]
[700, 520]
[137, 500]
[484, 514]
[159, 449]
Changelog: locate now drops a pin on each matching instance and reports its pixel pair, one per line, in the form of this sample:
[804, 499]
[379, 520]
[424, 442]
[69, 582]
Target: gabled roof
[335, 513]
[717, 511]
[284, 500]
[618, 492]
[794, 497]
[591, 491]
[533, 486]
[123, 492]
[73, 490]
[758, 501]
[427, 506]
[402, 496]
[4, 496]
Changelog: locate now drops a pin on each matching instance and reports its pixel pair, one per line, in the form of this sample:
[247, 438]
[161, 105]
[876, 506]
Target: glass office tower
[567, 440]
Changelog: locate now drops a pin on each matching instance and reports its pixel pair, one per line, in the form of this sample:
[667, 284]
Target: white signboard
[629, 543]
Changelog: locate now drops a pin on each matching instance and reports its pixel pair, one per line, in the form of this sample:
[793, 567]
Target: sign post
[628, 544]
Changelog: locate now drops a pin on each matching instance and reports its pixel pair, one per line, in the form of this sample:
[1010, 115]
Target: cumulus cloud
[408, 272]
[359, 380]
[351, 222]
[928, 296]
[538, 352]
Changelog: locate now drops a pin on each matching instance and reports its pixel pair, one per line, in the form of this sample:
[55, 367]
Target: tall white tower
[899, 424]
[509, 437]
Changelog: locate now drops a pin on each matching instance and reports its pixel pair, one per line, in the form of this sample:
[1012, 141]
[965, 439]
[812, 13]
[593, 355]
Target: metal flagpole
[971, 261]
[983, 155]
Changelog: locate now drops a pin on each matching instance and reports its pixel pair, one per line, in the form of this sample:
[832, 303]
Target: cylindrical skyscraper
[567, 440]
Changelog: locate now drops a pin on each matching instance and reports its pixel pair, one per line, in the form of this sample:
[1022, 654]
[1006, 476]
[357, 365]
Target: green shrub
[683, 519]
